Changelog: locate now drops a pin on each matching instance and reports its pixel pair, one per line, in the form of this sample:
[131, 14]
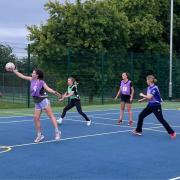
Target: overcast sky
[16, 14]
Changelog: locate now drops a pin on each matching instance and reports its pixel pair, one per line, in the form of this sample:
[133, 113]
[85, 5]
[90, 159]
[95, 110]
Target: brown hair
[127, 74]
[151, 78]
[39, 73]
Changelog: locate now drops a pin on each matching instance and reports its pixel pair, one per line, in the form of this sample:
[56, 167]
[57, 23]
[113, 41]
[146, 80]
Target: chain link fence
[98, 75]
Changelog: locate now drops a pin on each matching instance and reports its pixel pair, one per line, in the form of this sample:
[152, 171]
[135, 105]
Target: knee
[36, 118]
[122, 108]
[51, 116]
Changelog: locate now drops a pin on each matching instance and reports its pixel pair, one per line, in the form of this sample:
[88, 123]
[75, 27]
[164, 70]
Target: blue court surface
[102, 151]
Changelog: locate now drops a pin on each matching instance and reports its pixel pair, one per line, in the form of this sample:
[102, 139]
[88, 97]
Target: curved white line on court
[176, 178]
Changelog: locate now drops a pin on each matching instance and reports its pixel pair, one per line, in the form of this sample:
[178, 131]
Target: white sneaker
[39, 138]
[59, 121]
[88, 123]
[58, 136]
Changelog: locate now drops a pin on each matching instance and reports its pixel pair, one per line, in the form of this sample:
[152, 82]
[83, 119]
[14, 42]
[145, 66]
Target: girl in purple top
[154, 106]
[38, 87]
[126, 91]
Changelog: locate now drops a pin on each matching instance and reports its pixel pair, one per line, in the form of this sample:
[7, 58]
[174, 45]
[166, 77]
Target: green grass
[16, 109]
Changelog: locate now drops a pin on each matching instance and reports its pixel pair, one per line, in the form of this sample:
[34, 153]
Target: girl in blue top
[154, 106]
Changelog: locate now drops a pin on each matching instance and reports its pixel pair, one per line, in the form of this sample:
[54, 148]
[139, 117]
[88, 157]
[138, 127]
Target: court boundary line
[5, 149]
[23, 115]
[176, 178]
[46, 118]
[113, 125]
[80, 137]
[44, 115]
[70, 138]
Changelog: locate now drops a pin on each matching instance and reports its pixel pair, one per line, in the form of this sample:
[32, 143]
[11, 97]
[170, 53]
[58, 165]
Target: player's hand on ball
[141, 94]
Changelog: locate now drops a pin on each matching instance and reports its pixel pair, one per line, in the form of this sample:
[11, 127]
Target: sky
[15, 15]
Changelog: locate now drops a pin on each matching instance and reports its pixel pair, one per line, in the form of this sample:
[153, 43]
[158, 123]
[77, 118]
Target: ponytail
[74, 81]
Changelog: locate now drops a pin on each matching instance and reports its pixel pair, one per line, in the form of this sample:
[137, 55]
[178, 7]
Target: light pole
[171, 52]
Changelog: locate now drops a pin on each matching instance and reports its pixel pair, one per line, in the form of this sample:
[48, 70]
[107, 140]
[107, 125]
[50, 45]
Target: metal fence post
[102, 78]
[28, 69]
[69, 62]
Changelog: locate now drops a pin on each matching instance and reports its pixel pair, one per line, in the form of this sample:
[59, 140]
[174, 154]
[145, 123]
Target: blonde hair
[73, 80]
[151, 78]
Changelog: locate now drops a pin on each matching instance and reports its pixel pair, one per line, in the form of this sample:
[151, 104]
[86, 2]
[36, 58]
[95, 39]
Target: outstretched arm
[22, 76]
[48, 89]
[68, 95]
[63, 96]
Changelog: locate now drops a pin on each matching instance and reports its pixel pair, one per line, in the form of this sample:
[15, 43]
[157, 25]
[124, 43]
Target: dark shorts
[125, 99]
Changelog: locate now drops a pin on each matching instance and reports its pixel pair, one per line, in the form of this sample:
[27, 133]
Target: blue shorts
[42, 105]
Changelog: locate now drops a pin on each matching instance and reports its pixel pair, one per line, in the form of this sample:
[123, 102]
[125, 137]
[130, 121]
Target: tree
[90, 27]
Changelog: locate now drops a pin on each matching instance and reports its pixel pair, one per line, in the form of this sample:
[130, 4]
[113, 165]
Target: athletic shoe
[58, 135]
[59, 121]
[136, 133]
[173, 135]
[88, 123]
[130, 123]
[39, 138]
[119, 122]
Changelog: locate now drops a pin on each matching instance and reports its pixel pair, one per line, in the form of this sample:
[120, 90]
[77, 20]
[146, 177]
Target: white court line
[107, 124]
[76, 137]
[21, 121]
[23, 114]
[176, 178]
[71, 138]
[31, 115]
[42, 119]
[124, 120]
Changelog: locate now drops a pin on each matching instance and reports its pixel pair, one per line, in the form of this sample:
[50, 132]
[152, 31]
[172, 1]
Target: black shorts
[125, 98]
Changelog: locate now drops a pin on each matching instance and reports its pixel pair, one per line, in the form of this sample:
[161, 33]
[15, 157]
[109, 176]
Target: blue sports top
[156, 99]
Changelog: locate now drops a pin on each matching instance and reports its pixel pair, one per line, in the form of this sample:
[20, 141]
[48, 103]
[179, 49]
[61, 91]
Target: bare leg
[130, 114]
[49, 112]
[122, 107]
[37, 114]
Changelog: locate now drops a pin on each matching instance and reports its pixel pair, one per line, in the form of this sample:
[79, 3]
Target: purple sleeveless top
[125, 87]
[36, 88]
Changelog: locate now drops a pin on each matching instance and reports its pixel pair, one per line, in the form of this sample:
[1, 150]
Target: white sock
[39, 133]
[56, 130]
